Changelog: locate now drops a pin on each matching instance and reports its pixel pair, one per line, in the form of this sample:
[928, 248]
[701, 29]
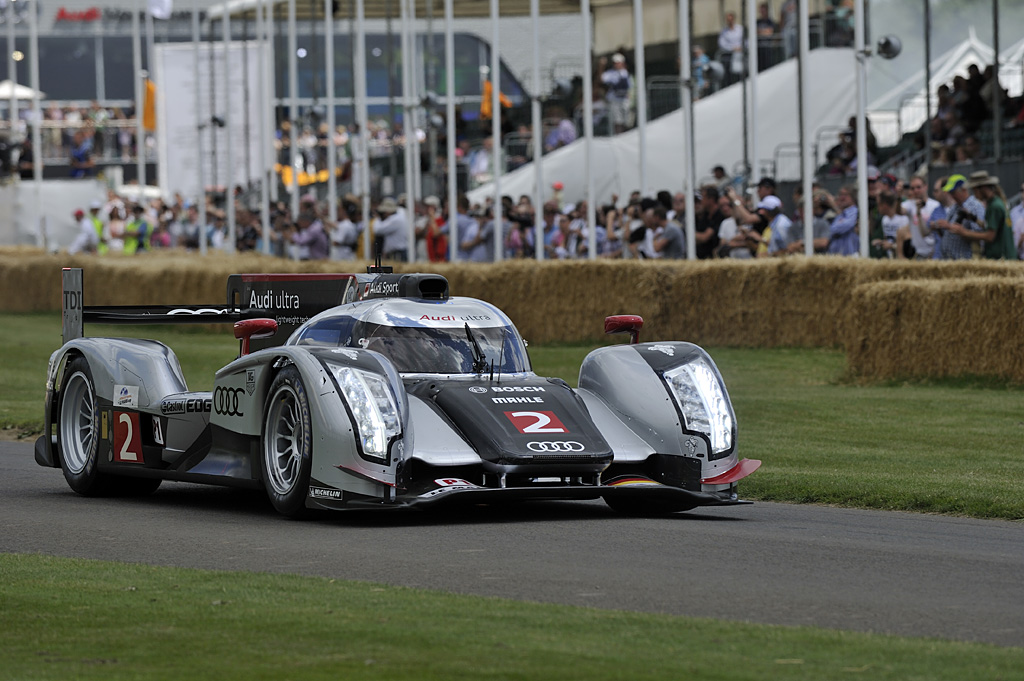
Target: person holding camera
[919, 207]
[996, 236]
[966, 215]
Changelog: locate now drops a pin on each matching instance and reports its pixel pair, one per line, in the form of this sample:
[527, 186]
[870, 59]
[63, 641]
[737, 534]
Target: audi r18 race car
[386, 392]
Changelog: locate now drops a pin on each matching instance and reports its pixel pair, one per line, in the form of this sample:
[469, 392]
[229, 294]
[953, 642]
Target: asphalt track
[898, 573]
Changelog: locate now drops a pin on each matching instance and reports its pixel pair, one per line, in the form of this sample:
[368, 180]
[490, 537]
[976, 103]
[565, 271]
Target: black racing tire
[78, 431]
[286, 456]
[642, 508]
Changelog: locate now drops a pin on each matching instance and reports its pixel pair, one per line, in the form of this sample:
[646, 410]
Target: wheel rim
[282, 445]
[77, 423]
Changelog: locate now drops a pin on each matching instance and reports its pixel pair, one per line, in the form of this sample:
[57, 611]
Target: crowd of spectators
[81, 138]
[965, 217]
[962, 108]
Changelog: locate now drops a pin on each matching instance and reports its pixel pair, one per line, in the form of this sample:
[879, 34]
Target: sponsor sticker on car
[325, 493]
[446, 485]
[190, 405]
[126, 396]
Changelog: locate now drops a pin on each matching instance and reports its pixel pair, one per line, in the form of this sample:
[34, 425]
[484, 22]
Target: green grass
[79, 619]
[954, 447]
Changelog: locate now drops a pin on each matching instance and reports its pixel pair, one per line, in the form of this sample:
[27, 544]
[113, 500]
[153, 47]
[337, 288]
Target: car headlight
[702, 401]
[369, 398]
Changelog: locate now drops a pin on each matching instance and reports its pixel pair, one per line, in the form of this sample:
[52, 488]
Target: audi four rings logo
[565, 446]
[225, 401]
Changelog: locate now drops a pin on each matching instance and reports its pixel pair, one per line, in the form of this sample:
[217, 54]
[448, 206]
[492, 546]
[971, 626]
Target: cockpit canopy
[458, 336]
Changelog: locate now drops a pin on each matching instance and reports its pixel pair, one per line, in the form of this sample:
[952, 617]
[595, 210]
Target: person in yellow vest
[136, 232]
[97, 223]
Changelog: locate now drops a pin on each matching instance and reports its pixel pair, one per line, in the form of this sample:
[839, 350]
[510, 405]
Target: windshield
[443, 350]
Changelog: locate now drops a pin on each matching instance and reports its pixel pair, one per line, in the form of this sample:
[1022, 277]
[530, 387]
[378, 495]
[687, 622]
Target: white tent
[902, 108]
[19, 91]
[718, 126]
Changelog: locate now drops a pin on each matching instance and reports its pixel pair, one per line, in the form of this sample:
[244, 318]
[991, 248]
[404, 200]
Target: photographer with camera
[996, 236]
[967, 215]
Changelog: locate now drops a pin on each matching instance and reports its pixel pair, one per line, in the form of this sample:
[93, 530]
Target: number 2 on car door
[127, 440]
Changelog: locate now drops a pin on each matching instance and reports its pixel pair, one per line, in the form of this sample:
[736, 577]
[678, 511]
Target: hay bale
[772, 302]
[938, 328]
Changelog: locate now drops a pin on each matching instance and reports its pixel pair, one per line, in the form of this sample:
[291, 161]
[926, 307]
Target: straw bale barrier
[919, 329]
[794, 302]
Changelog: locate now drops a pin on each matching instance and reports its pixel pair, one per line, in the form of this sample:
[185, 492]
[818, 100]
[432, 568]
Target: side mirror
[625, 323]
[247, 329]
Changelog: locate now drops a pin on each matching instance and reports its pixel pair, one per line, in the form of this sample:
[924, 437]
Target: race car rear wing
[74, 313]
[289, 299]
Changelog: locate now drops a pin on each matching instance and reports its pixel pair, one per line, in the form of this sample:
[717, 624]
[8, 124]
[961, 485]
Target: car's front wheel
[287, 444]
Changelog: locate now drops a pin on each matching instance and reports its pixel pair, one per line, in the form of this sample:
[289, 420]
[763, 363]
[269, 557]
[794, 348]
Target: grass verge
[66, 618]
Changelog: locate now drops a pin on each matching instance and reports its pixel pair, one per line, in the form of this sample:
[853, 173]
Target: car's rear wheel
[287, 444]
[78, 430]
[78, 438]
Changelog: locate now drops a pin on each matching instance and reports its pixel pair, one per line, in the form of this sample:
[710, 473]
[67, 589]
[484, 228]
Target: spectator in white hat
[394, 230]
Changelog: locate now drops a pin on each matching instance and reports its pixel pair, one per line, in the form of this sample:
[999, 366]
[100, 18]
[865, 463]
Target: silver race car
[386, 393]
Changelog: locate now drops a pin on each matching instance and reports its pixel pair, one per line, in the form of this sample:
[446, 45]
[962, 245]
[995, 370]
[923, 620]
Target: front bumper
[458, 492]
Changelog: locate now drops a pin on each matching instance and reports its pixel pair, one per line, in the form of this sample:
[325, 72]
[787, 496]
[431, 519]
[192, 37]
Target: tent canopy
[902, 108]
[19, 91]
[718, 134]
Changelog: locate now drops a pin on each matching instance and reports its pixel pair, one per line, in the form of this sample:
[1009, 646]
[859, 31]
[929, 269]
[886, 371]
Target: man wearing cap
[779, 232]
[86, 240]
[394, 230]
[997, 236]
[966, 215]
[618, 84]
